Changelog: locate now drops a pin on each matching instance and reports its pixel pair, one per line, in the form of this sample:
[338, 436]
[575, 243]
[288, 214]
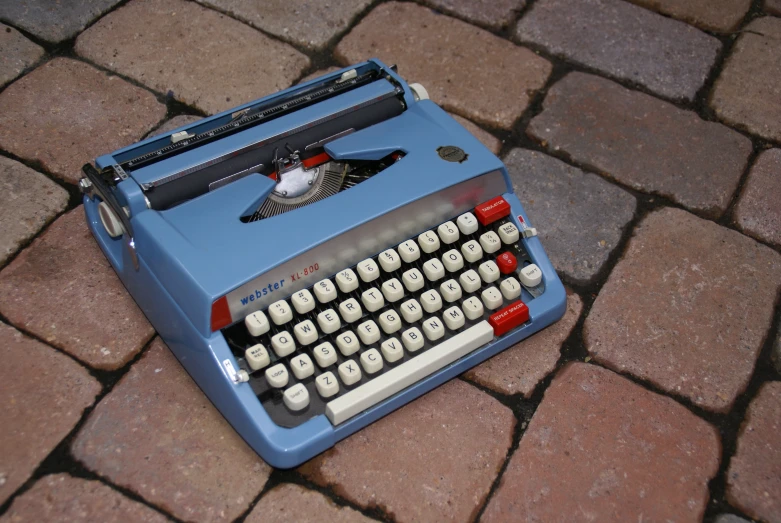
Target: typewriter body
[322, 256]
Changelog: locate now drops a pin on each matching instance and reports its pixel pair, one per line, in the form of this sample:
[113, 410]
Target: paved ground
[644, 138]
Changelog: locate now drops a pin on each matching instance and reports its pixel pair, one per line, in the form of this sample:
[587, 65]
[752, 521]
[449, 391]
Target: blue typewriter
[322, 256]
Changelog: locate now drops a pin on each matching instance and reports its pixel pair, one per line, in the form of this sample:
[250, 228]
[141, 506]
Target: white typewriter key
[409, 251]
[296, 397]
[392, 290]
[392, 350]
[473, 308]
[372, 299]
[368, 270]
[328, 321]
[411, 310]
[510, 288]
[428, 241]
[470, 281]
[431, 301]
[303, 301]
[453, 261]
[454, 318]
[489, 271]
[306, 333]
[369, 332]
[509, 233]
[277, 376]
[350, 310]
[448, 233]
[492, 298]
[325, 290]
[325, 354]
[389, 260]
[257, 323]
[371, 361]
[413, 280]
[347, 343]
[283, 344]
[472, 251]
[490, 242]
[257, 357]
[280, 312]
[347, 280]
[302, 366]
[467, 223]
[327, 385]
[434, 270]
[350, 372]
[531, 275]
[433, 328]
[451, 291]
[412, 339]
[390, 321]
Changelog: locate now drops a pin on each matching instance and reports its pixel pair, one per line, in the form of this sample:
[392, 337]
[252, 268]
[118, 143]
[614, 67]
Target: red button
[508, 318]
[507, 263]
[492, 210]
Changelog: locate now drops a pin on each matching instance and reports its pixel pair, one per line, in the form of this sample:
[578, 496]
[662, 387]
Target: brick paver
[687, 308]
[86, 113]
[715, 15]
[61, 497]
[54, 21]
[466, 70]
[287, 503]
[319, 73]
[28, 200]
[519, 369]
[747, 93]
[488, 139]
[579, 216]
[775, 354]
[173, 123]
[434, 459]
[600, 448]
[43, 396]
[754, 475]
[63, 290]
[17, 53]
[666, 56]
[495, 14]
[159, 436]
[643, 142]
[773, 7]
[758, 212]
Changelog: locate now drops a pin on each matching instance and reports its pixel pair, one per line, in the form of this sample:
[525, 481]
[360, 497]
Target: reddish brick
[715, 15]
[63, 290]
[488, 139]
[43, 396]
[519, 369]
[61, 497]
[185, 49]
[754, 475]
[435, 459]
[757, 211]
[159, 436]
[773, 7]
[466, 70]
[600, 448]
[17, 53]
[495, 14]
[288, 502]
[319, 73]
[54, 21]
[173, 123]
[687, 308]
[643, 142]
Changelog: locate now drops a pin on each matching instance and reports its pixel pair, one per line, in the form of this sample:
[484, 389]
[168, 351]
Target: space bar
[398, 378]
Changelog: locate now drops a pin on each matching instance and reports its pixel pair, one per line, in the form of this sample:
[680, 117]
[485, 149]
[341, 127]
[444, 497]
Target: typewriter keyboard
[371, 330]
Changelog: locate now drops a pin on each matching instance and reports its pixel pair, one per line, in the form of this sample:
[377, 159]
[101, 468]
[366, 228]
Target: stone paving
[644, 138]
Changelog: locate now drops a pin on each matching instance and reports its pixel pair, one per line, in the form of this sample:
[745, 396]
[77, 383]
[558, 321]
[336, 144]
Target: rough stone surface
[61, 497]
[754, 475]
[715, 15]
[182, 48]
[758, 211]
[28, 200]
[173, 123]
[775, 355]
[452, 59]
[17, 53]
[645, 143]
[495, 14]
[319, 73]
[687, 308]
[773, 7]
[580, 217]
[666, 56]
[63, 290]
[488, 139]
[519, 369]
[287, 503]
[43, 396]
[87, 113]
[307, 24]
[53, 21]
[441, 455]
[600, 448]
[747, 93]
[158, 435]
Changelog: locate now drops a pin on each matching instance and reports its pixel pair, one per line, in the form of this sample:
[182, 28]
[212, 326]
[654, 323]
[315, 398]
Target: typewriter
[320, 257]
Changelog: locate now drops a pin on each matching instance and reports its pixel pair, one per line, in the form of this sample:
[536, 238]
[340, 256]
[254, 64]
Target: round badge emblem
[451, 153]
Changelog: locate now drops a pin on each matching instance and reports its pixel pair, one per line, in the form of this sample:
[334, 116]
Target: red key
[507, 263]
[492, 210]
[508, 318]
